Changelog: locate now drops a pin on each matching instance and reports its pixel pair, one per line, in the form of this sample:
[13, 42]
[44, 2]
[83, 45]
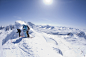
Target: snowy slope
[45, 41]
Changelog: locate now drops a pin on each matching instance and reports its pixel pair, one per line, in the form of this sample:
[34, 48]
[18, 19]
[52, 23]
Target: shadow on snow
[13, 35]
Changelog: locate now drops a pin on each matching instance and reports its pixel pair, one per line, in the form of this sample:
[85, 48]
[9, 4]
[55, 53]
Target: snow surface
[44, 41]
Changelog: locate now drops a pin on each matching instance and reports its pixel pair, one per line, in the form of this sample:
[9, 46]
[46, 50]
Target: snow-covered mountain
[10, 27]
[44, 41]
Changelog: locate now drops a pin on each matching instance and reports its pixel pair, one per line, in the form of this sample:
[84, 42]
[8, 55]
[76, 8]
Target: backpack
[28, 27]
[25, 27]
[18, 30]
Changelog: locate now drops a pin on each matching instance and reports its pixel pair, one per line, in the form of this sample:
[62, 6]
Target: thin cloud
[47, 19]
[17, 17]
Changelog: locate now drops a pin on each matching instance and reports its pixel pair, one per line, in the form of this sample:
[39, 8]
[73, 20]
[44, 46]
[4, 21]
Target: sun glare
[48, 2]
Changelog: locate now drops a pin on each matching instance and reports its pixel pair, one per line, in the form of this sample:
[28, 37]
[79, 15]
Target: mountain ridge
[44, 41]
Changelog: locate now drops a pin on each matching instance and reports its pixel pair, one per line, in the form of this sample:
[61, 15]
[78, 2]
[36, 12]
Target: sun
[48, 2]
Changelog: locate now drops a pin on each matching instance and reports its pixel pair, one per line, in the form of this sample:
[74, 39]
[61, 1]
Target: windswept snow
[20, 22]
[44, 41]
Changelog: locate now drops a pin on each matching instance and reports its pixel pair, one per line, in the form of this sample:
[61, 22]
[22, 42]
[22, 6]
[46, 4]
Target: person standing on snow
[19, 31]
[26, 29]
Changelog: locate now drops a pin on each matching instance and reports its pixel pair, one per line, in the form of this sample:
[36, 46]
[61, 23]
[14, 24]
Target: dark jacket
[18, 30]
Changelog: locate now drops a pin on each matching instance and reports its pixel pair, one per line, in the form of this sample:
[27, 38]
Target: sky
[69, 13]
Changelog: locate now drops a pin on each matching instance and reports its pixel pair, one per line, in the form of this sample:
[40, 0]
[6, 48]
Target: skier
[26, 29]
[19, 31]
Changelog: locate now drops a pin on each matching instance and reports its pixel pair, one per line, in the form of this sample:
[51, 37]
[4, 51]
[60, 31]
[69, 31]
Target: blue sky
[69, 13]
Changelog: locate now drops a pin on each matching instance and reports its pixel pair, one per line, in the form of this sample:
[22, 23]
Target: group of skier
[26, 29]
